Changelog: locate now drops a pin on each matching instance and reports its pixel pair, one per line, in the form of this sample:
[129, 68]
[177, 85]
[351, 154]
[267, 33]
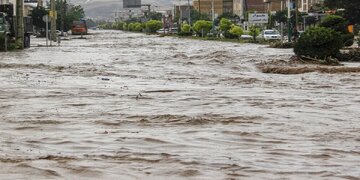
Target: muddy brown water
[131, 106]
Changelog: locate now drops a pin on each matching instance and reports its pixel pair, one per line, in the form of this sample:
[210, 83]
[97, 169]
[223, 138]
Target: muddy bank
[296, 66]
[130, 106]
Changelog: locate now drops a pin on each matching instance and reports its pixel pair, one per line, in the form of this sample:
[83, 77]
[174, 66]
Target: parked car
[270, 34]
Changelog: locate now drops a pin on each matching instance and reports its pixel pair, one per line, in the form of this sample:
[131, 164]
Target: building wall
[220, 6]
[238, 6]
[205, 6]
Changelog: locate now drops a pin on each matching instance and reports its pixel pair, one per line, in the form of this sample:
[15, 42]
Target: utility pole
[296, 17]
[199, 9]
[213, 15]
[63, 4]
[189, 12]
[53, 20]
[180, 15]
[20, 22]
[289, 21]
[282, 23]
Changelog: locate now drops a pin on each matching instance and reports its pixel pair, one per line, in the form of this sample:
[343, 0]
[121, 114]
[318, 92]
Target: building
[307, 5]
[220, 6]
[182, 11]
[240, 7]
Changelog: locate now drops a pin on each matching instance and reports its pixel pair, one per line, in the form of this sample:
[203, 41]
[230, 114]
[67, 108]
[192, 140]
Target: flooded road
[130, 106]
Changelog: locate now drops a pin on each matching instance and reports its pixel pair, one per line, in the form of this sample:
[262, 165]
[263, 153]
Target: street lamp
[289, 21]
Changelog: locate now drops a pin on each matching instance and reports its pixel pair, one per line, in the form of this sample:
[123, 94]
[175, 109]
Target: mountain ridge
[107, 8]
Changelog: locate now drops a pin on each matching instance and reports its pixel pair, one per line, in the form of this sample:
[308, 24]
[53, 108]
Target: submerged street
[121, 105]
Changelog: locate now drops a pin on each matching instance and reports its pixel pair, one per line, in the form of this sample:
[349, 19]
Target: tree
[225, 24]
[186, 28]
[202, 27]
[37, 15]
[153, 25]
[280, 16]
[236, 31]
[254, 31]
[155, 16]
[336, 23]
[74, 13]
[352, 9]
[339, 24]
[227, 15]
[194, 15]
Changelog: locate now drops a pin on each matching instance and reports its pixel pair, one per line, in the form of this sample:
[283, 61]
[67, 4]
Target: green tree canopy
[352, 9]
[254, 31]
[202, 27]
[236, 30]
[153, 25]
[318, 42]
[71, 13]
[225, 25]
[37, 14]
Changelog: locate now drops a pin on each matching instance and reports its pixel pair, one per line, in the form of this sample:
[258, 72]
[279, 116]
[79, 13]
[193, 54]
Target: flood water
[132, 106]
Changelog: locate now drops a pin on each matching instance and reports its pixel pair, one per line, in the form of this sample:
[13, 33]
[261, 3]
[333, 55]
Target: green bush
[153, 25]
[138, 27]
[348, 39]
[236, 31]
[125, 27]
[336, 23]
[120, 25]
[339, 24]
[254, 32]
[106, 26]
[225, 25]
[358, 41]
[202, 27]
[318, 42]
[131, 27]
[185, 30]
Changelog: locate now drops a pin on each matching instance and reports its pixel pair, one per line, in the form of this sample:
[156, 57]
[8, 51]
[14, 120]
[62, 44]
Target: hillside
[106, 8]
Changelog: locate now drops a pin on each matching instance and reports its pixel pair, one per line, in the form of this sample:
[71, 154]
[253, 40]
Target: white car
[271, 34]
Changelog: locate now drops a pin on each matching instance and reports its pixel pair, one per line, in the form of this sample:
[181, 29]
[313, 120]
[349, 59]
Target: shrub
[336, 23]
[153, 25]
[202, 27]
[114, 25]
[339, 24]
[318, 42]
[348, 39]
[138, 27]
[185, 30]
[125, 27]
[236, 31]
[225, 24]
[132, 26]
[358, 41]
[254, 31]
[120, 25]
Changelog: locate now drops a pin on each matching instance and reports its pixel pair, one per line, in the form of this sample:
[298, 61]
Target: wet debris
[161, 91]
[299, 66]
